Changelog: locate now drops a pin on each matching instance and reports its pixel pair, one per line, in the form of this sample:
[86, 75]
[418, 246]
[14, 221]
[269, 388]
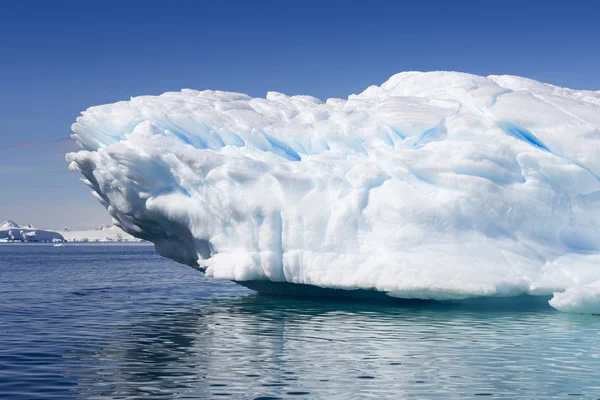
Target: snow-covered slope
[8, 224]
[437, 185]
[104, 233]
[11, 231]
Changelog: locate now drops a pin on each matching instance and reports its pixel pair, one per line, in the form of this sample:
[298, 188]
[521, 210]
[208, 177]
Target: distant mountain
[13, 232]
[103, 227]
[103, 233]
[8, 224]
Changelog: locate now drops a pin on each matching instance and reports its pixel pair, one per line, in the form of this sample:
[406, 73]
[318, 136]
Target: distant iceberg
[437, 185]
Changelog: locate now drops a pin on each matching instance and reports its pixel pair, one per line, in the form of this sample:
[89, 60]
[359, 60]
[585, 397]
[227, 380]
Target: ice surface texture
[437, 185]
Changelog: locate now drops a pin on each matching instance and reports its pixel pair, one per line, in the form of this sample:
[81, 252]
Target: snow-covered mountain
[8, 224]
[103, 233]
[13, 232]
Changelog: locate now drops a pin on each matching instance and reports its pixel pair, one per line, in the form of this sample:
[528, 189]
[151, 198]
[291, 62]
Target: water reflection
[103, 323]
[253, 346]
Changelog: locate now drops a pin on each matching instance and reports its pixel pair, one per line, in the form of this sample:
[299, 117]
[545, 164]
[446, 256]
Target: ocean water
[120, 322]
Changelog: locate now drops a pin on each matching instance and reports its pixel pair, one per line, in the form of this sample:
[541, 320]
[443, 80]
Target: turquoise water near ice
[108, 322]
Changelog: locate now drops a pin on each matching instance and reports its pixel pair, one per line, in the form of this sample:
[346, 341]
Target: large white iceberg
[437, 185]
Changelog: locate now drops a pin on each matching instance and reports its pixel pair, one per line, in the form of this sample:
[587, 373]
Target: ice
[437, 185]
[580, 299]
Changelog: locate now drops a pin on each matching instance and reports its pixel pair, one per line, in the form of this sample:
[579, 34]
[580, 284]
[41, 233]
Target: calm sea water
[119, 322]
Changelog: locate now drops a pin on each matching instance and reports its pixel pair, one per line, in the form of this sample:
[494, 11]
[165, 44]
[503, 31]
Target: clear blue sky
[59, 57]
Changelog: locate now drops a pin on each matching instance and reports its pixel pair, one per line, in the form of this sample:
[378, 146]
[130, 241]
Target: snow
[102, 234]
[8, 224]
[11, 231]
[437, 185]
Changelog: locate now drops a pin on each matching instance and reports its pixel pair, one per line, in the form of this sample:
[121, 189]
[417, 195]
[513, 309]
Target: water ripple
[99, 322]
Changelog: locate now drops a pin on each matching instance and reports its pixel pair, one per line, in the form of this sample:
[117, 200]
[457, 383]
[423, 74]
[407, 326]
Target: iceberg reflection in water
[257, 345]
[108, 322]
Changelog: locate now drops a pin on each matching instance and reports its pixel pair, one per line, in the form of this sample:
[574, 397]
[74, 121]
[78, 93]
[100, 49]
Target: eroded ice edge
[436, 185]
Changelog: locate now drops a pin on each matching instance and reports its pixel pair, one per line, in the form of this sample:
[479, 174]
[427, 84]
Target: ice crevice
[525, 135]
[437, 185]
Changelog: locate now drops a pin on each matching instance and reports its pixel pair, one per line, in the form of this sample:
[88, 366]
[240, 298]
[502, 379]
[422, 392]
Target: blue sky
[58, 58]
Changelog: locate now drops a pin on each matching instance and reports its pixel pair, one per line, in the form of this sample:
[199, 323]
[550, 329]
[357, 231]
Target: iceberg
[436, 185]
